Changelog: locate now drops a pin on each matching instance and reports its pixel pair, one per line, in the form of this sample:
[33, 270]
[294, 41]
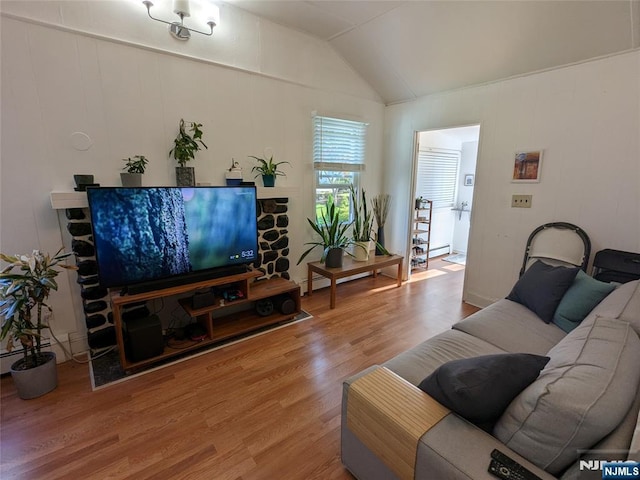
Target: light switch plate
[521, 201]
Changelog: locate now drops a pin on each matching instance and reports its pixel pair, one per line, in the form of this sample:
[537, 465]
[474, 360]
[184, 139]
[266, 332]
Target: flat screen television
[154, 237]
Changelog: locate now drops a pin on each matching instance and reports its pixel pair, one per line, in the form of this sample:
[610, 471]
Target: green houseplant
[333, 236]
[268, 169]
[133, 170]
[381, 205]
[362, 224]
[25, 285]
[186, 144]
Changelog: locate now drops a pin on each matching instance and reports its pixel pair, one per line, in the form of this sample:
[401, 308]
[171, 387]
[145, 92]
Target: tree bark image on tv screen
[143, 234]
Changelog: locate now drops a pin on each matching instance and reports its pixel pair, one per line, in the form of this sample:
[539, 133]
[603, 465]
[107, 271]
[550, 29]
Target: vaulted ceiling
[407, 49]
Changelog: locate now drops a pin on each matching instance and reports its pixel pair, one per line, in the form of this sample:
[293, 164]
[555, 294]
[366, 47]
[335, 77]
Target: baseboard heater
[437, 251]
[9, 358]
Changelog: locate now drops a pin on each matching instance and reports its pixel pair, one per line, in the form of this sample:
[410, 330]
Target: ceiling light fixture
[181, 8]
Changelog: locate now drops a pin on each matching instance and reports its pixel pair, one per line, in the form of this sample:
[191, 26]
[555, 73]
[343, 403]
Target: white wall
[72, 67]
[462, 222]
[586, 118]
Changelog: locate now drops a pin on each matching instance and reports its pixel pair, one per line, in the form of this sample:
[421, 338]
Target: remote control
[508, 469]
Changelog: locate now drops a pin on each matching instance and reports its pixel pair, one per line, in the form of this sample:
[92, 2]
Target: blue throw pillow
[481, 388]
[582, 297]
[542, 287]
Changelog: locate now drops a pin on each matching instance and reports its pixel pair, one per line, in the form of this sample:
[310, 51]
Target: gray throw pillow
[542, 287]
[481, 388]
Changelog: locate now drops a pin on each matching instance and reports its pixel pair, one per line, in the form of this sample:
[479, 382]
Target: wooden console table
[351, 267]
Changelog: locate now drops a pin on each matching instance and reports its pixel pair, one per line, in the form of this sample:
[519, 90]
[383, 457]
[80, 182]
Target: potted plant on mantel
[268, 169]
[22, 292]
[134, 168]
[184, 150]
[333, 236]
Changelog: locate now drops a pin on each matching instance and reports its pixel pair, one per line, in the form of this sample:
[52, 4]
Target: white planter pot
[361, 251]
[34, 382]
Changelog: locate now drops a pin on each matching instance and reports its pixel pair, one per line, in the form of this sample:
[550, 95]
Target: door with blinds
[437, 176]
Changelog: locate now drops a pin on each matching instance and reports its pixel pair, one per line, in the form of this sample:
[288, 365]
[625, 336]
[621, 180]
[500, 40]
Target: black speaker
[284, 304]
[264, 307]
[203, 298]
[143, 338]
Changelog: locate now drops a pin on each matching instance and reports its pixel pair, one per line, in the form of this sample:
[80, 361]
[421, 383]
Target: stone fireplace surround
[273, 251]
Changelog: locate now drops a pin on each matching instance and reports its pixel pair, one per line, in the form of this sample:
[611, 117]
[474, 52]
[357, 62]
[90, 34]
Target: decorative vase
[380, 240]
[268, 180]
[361, 251]
[35, 382]
[334, 258]
[233, 176]
[131, 179]
[185, 177]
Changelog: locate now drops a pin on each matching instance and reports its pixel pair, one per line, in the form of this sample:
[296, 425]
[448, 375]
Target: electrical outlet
[521, 201]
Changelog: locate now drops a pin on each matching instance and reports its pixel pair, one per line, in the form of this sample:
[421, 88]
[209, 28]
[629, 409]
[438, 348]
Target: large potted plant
[268, 169]
[133, 170]
[362, 225]
[25, 285]
[185, 146]
[333, 236]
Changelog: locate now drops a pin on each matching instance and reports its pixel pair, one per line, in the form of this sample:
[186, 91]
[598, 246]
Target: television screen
[151, 233]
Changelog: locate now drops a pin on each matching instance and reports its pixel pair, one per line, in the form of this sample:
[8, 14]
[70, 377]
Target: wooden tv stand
[220, 328]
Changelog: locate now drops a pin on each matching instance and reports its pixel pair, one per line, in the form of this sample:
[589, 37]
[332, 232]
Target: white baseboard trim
[477, 300]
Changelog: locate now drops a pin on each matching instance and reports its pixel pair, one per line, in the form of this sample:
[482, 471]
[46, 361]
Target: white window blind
[438, 175]
[338, 144]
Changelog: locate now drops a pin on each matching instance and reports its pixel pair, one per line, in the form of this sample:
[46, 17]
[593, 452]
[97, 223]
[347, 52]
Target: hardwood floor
[266, 408]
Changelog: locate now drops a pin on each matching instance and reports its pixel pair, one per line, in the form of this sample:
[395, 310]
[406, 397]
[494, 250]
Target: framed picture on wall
[527, 166]
[468, 180]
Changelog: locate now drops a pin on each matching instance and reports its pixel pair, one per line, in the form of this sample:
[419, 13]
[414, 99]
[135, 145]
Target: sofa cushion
[512, 328]
[631, 307]
[618, 304]
[581, 395]
[582, 297]
[480, 388]
[542, 287]
[414, 364]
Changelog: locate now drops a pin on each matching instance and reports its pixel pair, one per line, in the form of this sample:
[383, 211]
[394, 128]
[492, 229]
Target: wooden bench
[351, 267]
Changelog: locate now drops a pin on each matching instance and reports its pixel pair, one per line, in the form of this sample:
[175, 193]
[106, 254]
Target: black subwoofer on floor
[284, 304]
[143, 338]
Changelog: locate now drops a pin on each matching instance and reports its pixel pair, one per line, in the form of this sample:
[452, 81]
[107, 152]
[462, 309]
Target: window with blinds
[438, 175]
[338, 160]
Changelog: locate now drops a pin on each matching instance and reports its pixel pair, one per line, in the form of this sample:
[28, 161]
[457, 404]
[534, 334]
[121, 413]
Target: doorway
[444, 170]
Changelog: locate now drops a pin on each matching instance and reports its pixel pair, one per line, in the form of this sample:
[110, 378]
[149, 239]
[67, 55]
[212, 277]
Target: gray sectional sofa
[586, 397]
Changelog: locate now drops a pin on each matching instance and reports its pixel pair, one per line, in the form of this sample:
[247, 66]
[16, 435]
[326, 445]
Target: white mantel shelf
[63, 200]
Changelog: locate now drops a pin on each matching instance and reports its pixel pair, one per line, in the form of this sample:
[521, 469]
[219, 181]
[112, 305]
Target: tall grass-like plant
[332, 232]
[362, 216]
[381, 204]
[22, 292]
